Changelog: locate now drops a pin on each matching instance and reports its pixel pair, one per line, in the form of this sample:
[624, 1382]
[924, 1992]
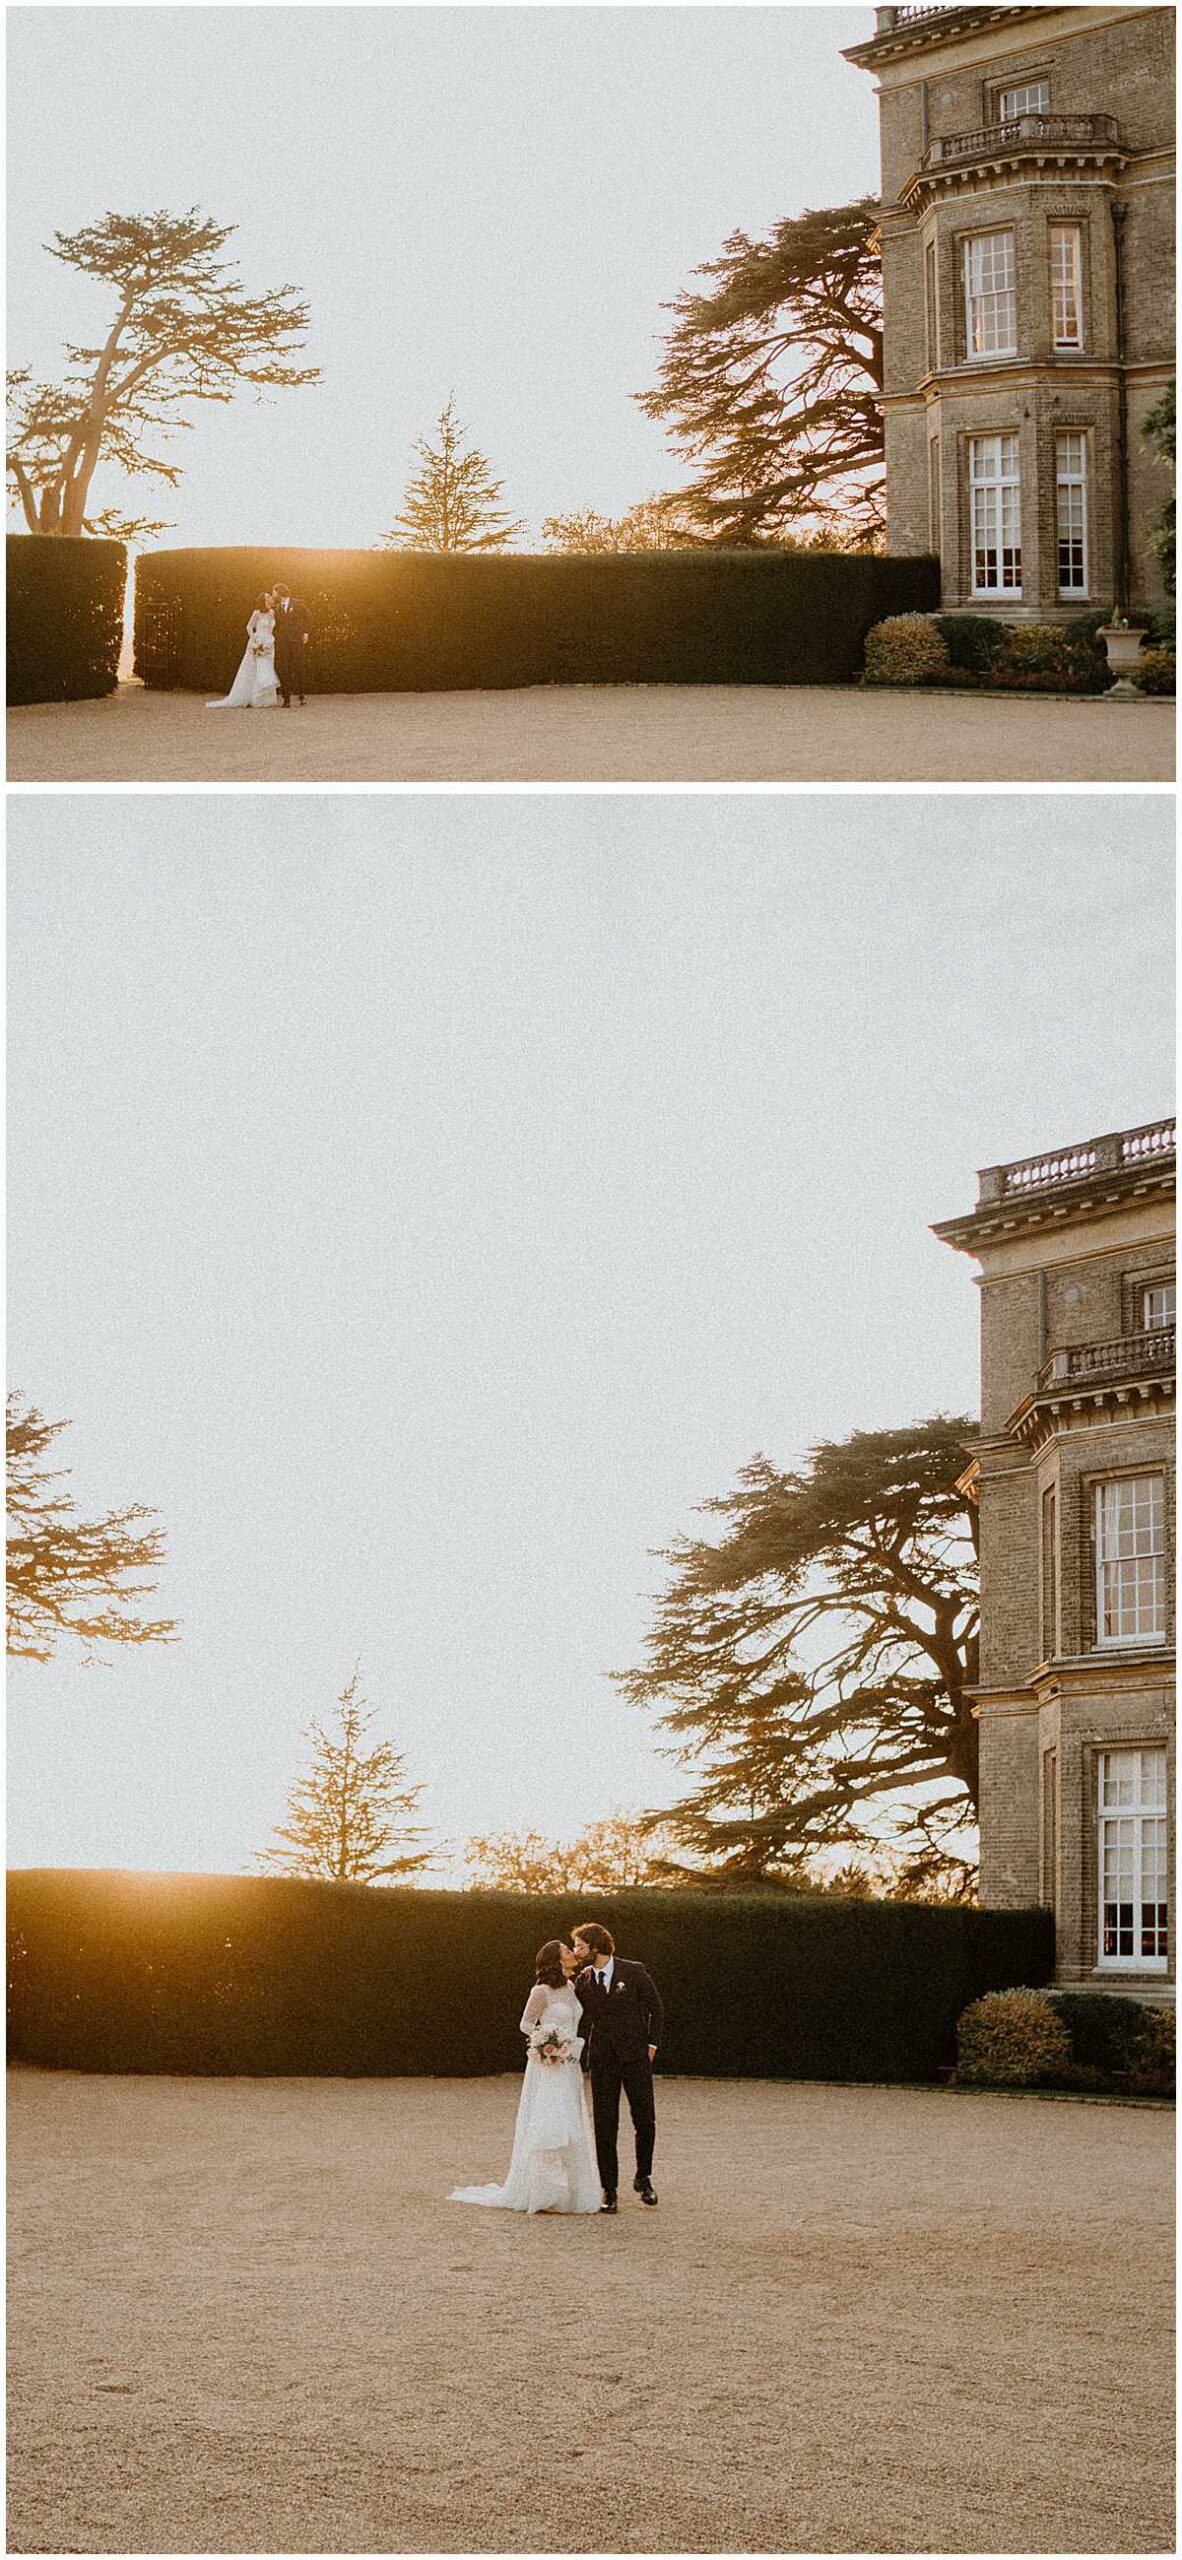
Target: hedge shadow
[257, 1975]
[393, 622]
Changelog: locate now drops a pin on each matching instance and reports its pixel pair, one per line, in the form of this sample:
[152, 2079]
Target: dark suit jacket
[622, 2022]
[292, 628]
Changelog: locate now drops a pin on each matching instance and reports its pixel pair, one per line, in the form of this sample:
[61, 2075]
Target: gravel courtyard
[245, 2318]
[597, 733]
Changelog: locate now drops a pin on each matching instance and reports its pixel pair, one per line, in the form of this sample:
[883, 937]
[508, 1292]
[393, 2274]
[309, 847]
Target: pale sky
[426, 1201]
[492, 201]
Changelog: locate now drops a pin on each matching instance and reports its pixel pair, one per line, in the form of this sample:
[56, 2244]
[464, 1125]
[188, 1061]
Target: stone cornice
[1075, 1404]
[1101, 1674]
[1066, 1186]
[1020, 373]
[1000, 155]
[922, 30]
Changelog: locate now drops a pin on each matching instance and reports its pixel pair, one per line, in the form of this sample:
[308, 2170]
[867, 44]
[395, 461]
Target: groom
[623, 2022]
[292, 633]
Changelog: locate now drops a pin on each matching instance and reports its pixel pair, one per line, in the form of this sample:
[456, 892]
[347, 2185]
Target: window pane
[1157, 1306]
[1066, 284]
[1153, 1780]
[1071, 507]
[996, 513]
[1134, 1923]
[989, 293]
[1130, 1559]
[1032, 97]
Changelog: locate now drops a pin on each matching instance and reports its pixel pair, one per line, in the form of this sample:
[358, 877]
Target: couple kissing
[277, 636]
[594, 2011]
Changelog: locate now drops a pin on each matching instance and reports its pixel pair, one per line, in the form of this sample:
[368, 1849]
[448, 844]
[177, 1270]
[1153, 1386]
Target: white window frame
[1066, 282]
[985, 303]
[1071, 486]
[1153, 1554]
[1146, 1803]
[1156, 1321]
[1035, 96]
[1001, 484]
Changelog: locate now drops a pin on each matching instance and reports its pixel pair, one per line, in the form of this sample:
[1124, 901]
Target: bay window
[1130, 1544]
[1132, 1813]
[989, 294]
[995, 515]
[1066, 284]
[1071, 513]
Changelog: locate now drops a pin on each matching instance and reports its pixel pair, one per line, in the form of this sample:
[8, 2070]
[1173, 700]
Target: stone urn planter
[1123, 647]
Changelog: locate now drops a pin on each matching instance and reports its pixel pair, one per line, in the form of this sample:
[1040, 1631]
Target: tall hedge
[65, 617]
[253, 1975]
[416, 622]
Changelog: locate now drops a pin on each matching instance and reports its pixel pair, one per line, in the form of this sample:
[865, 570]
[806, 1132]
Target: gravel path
[244, 2318]
[605, 733]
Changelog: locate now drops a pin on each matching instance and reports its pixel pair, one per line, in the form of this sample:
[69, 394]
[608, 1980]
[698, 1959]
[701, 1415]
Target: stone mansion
[1028, 297]
[1073, 1472]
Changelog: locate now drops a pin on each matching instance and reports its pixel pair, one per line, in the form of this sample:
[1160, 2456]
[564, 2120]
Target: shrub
[118, 1972]
[1037, 649]
[1156, 671]
[1011, 2040]
[406, 621]
[1151, 2062]
[1103, 2029]
[65, 617]
[974, 641]
[905, 649]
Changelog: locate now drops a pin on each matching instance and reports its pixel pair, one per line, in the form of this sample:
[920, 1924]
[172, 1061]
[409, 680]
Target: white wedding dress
[553, 2165]
[254, 687]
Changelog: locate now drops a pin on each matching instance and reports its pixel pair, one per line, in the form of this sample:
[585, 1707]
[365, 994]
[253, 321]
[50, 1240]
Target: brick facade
[1090, 155]
[1076, 1255]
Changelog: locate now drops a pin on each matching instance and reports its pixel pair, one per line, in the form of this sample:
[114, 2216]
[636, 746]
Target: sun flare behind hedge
[418, 622]
[209, 1974]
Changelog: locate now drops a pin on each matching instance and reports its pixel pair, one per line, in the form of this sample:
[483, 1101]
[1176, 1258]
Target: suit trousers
[611, 2072]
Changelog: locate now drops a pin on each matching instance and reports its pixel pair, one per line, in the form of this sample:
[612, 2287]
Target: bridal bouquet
[549, 2046]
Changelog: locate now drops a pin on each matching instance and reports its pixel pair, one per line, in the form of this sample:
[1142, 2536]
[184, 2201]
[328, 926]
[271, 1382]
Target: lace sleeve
[534, 2010]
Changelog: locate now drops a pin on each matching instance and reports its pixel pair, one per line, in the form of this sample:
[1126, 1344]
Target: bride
[254, 687]
[553, 2165]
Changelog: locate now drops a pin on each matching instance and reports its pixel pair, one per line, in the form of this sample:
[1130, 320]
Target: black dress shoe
[609, 2205]
[645, 2190]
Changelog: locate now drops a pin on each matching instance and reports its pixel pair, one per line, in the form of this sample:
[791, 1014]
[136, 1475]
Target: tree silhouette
[348, 1815]
[661, 522]
[182, 330]
[815, 1665]
[453, 502]
[608, 1856]
[771, 380]
[68, 1576]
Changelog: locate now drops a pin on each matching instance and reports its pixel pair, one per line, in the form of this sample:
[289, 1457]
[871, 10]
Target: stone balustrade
[1130, 1355]
[1121, 1151]
[1037, 132]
